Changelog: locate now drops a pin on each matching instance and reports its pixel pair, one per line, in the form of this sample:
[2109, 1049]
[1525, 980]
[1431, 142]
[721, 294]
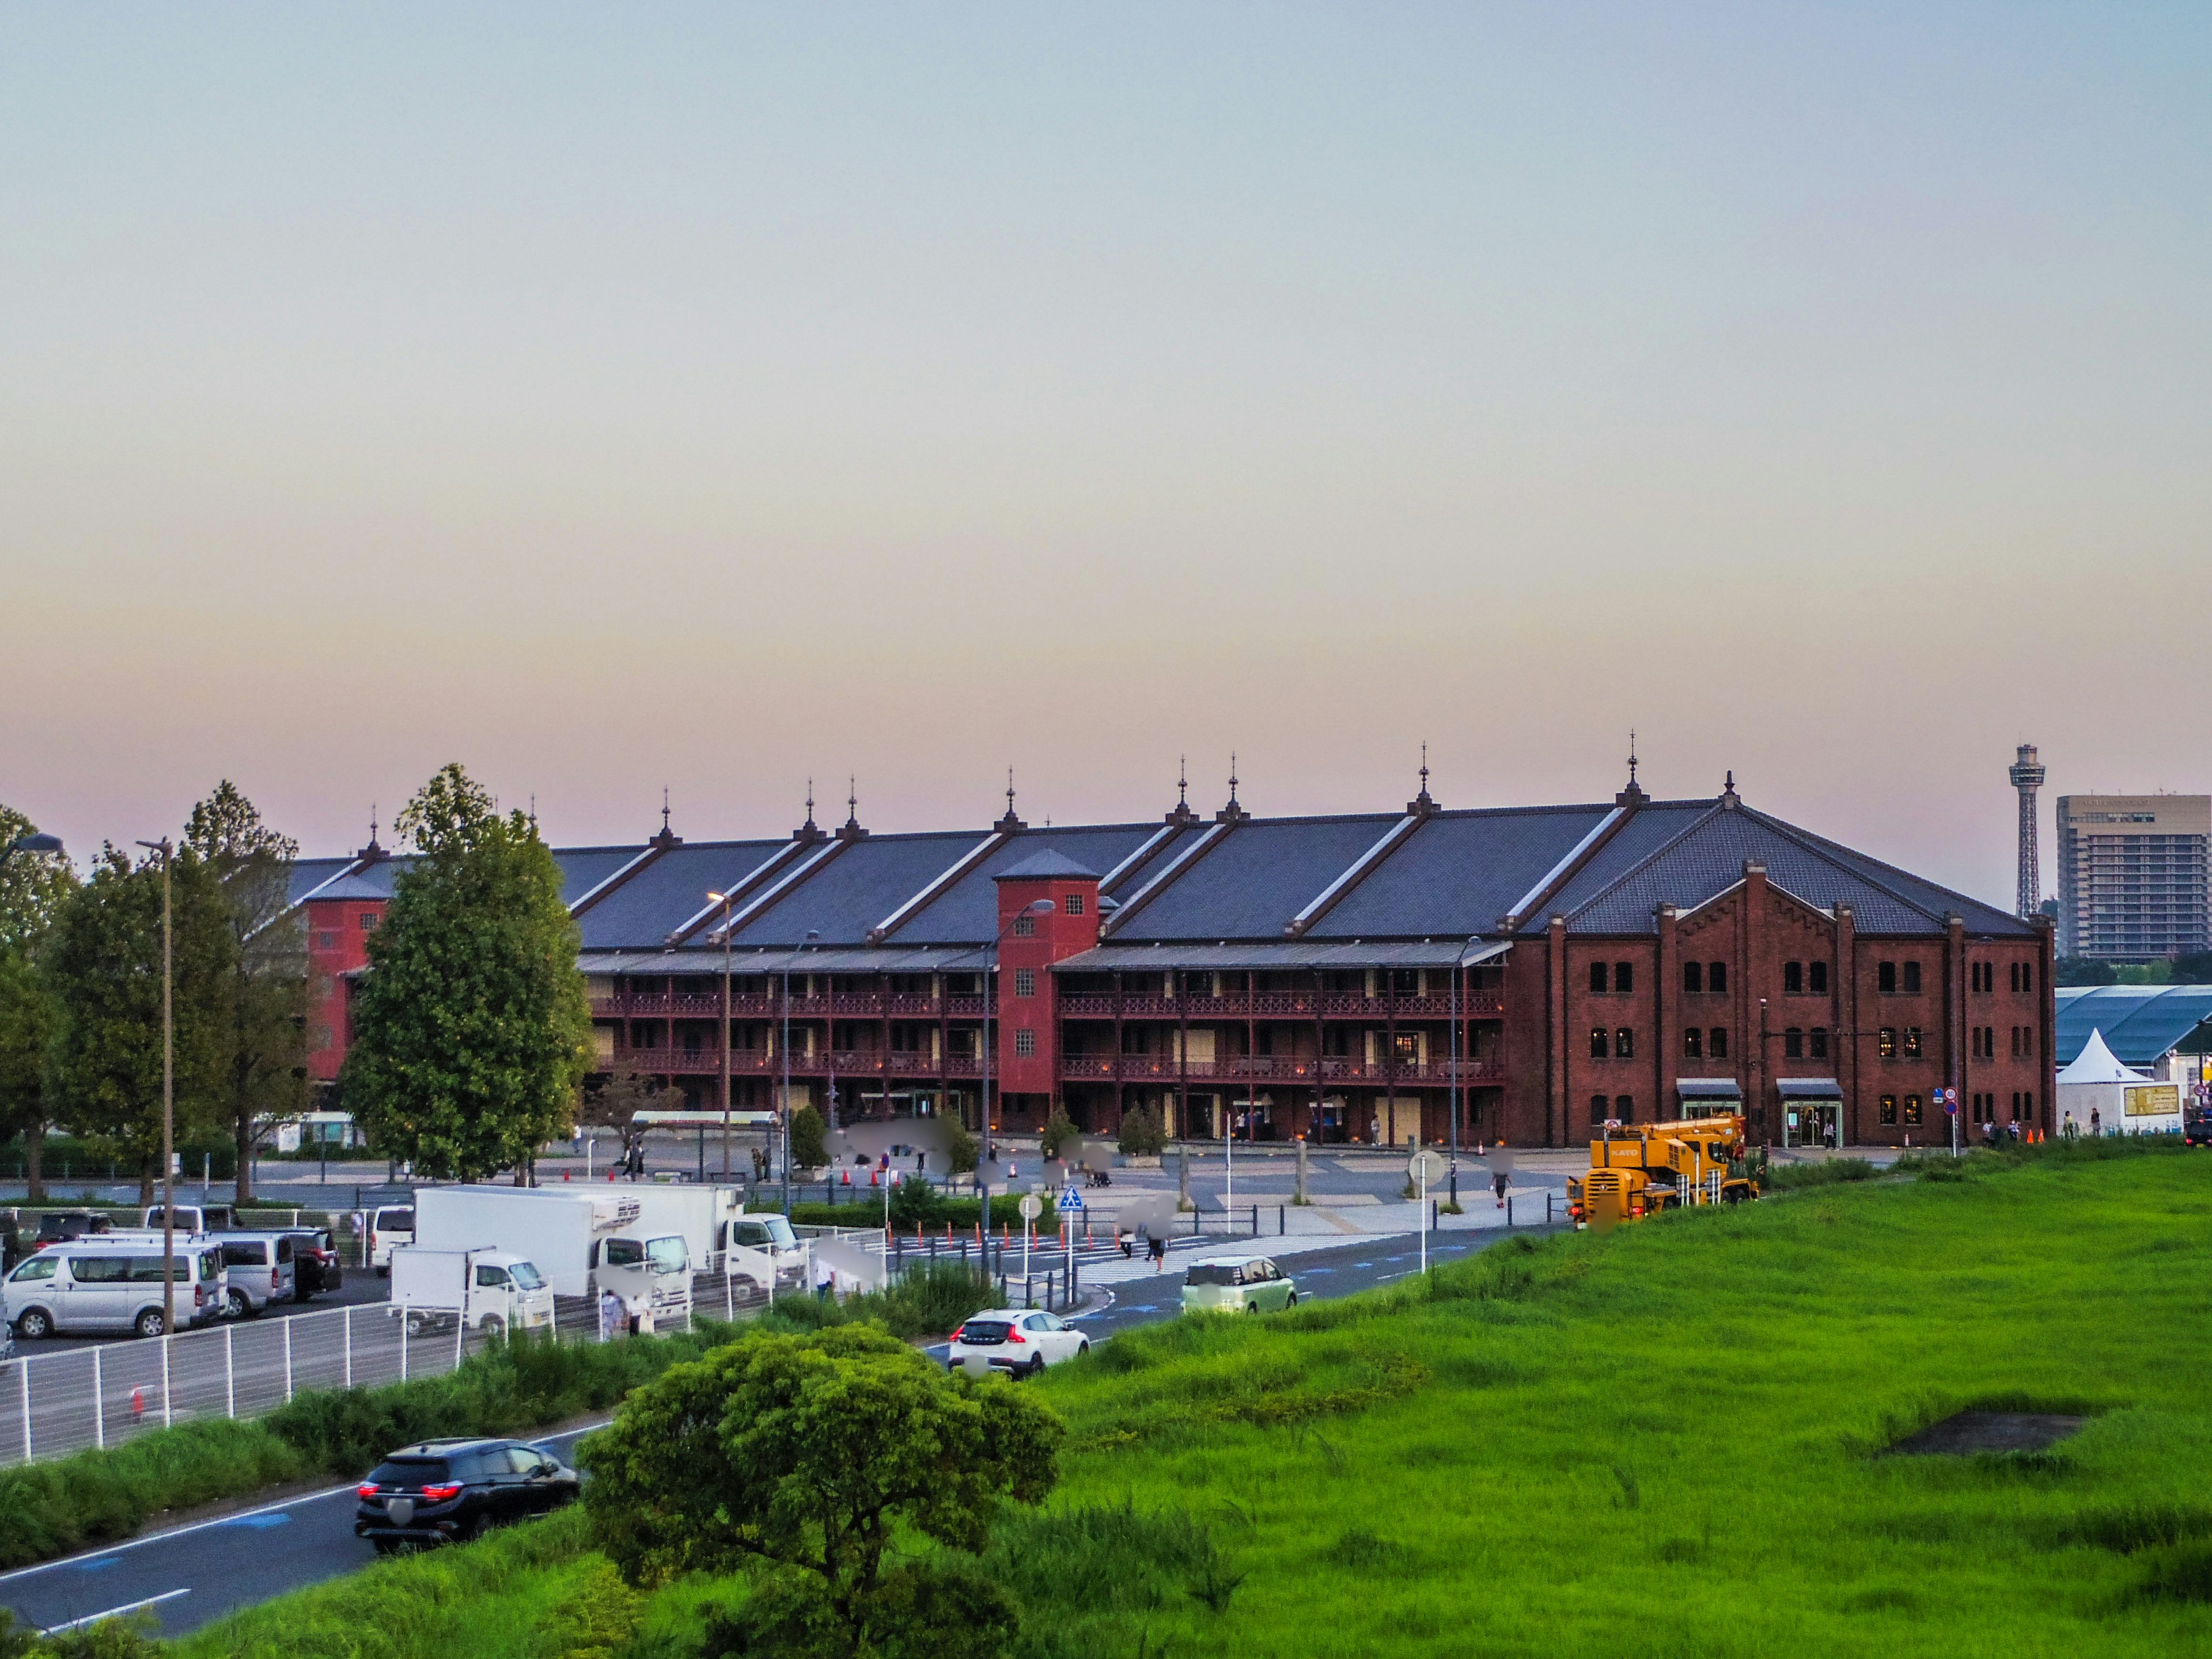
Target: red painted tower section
[1027, 1058]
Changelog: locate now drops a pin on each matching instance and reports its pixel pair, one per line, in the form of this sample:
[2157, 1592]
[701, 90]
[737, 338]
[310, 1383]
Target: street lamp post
[1458, 1038]
[783, 1106]
[34, 843]
[1043, 907]
[169, 1099]
[726, 899]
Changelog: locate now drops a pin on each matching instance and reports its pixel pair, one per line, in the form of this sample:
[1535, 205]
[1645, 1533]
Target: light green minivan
[1252, 1285]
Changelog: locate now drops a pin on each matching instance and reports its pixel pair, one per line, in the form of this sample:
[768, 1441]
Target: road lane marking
[106, 1556]
[116, 1613]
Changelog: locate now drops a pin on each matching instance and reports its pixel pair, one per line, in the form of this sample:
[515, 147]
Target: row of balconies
[1131, 1068]
[1264, 1005]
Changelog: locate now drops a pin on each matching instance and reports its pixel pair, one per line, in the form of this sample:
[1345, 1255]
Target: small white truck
[583, 1243]
[492, 1291]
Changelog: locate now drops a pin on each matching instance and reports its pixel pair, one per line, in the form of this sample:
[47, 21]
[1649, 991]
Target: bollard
[1547, 1207]
[1282, 1222]
[1509, 1209]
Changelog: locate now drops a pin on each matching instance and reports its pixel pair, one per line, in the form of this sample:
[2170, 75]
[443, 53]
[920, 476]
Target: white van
[97, 1286]
[384, 1229]
[261, 1269]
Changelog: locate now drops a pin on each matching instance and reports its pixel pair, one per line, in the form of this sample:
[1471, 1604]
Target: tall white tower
[2026, 775]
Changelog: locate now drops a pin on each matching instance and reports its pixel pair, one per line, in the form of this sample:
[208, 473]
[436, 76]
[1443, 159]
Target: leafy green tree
[31, 885]
[1143, 1133]
[271, 980]
[102, 958]
[961, 1149]
[27, 1018]
[1059, 1131]
[810, 1139]
[472, 1029]
[809, 1459]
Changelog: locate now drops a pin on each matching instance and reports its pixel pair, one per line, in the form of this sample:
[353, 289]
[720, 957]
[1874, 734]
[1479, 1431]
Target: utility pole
[168, 1099]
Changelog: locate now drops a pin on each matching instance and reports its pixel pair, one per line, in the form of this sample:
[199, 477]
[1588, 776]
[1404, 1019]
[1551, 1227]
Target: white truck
[492, 1291]
[758, 1246]
[582, 1243]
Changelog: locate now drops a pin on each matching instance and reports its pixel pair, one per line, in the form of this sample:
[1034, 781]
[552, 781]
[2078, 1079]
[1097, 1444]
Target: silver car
[263, 1267]
[106, 1286]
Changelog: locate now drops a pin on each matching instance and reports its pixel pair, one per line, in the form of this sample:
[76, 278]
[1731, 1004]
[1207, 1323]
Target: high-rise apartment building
[2133, 876]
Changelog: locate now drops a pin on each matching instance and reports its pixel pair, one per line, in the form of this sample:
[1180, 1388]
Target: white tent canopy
[2096, 1064]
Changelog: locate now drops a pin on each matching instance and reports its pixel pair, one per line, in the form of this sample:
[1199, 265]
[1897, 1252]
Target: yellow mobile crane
[1640, 1169]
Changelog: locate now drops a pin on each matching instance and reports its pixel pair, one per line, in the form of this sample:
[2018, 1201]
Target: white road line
[242, 1515]
[116, 1613]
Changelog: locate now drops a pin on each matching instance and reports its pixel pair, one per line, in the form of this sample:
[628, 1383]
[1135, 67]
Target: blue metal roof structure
[2142, 1024]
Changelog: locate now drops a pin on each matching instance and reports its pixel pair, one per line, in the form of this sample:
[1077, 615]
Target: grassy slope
[1650, 1442]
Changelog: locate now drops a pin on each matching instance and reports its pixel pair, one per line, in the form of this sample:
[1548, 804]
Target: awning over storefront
[1708, 1088]
[1809, 1088]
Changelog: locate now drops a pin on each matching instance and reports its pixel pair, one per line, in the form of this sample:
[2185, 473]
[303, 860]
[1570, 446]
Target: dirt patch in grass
[1964, 1434]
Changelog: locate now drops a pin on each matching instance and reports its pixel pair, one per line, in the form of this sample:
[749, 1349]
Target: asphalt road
[186, 1576]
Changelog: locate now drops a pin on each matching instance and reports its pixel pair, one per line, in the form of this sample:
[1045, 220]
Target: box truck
[757, 1247]
[582, 1243]
[493, 1290]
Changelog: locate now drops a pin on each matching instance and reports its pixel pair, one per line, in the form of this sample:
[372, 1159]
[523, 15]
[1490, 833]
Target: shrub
[1143, 1133]
[1827, 1172]
[928, 1302]
[810, 1139]
[1059, 1130]
[960, 1148]
[917, 1203]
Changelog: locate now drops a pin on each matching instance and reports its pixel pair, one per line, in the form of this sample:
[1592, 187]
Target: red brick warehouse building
[1333, 977]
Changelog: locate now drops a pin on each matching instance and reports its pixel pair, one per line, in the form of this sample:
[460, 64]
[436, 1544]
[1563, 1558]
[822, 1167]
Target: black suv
[315, 1262]
[447, 1491]
[62, 1226]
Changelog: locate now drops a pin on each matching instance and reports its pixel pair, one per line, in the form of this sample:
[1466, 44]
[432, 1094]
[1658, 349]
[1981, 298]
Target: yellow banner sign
[2154, 1100]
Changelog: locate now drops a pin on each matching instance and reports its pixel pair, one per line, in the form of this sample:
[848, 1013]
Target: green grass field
[1661, 1441]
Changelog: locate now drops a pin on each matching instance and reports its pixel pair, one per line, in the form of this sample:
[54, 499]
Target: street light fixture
[34, 843]
[1458, 1037]
[1043, 907]
[726, 899]
[168, 1099]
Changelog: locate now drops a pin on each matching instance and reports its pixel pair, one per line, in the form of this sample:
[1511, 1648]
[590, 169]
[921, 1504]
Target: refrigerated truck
[758, 1246]
[583, 1243]
[493, 1290]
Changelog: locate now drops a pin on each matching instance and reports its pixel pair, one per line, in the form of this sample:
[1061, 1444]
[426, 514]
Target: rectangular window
[1912, 979]
[1717, 978]
[1885, 978]
[1792, 979]
[1024, 981]
[1820, 1049]
[1911, 1110]
[1912, 1042]
[1624, 1044]
[2015, 985]
[1885, 1043]
[1597, 1042]
[327, 941]
[1717, 1043]
[1623, 977]
[1693, 977]
[1889, 1109]
[1408, 1047]
[1073, 904]
[1818, 972]
[1024, 925]
[1624, 1107]
[368, 922]
[1597, 978]
[1025, 1044]
[1597, 1111]
[1693, 1044]
[2027, 983]
[1793, 1044]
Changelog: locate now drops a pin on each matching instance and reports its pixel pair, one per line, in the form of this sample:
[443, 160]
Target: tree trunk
[242, 1139]
[34, 1170]
[145, 1182]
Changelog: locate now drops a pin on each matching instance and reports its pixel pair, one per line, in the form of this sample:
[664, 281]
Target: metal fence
[54, 1404]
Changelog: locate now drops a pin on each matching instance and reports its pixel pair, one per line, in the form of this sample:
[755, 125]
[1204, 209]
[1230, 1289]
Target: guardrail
[52, 1404]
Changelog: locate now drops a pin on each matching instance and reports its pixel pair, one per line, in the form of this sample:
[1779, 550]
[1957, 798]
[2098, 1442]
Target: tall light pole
[783, 1107]
[1458, 1035]
[726, 899]
[168, 1100]
[1043, 907]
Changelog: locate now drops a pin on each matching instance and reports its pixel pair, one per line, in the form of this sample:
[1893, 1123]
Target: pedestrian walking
[2096, 1123]
[1501, 1173]
[1128, 1243]
[1156, 1248]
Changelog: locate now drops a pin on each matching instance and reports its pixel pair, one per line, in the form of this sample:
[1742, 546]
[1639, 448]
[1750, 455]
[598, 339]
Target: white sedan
[1015, 1339]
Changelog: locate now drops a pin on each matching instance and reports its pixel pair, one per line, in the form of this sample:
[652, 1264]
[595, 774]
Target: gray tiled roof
[1256, 879]
[856, 887]
[1644, 866]
[664, 895]
[583, 868]
[1459, 873]
[968, 911]
[308, 874]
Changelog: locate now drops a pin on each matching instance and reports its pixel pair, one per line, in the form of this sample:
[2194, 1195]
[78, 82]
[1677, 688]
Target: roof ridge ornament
[1729, 799]
[1182, 814]
[809, 832]
[1011, 822]
[1633, 796]
[850, 830]
[1421, 805]
[667, 838]
[371, 853]
[1232, 813]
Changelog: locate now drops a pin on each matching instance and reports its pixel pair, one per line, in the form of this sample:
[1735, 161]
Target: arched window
[1793, 1043]
[1717, 978]
[1693, 1044]
[1792, 979]
[1819, 974]
[1624, 1044]
[1623, 977]
[1597, 977]
[1693, 977]
[1717, 1043]
[1597, 1111]
[1624, 1107]
[1597, 1042]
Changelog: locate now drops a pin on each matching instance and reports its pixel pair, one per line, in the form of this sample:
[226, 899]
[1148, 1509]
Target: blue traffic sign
[1070, 1199]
